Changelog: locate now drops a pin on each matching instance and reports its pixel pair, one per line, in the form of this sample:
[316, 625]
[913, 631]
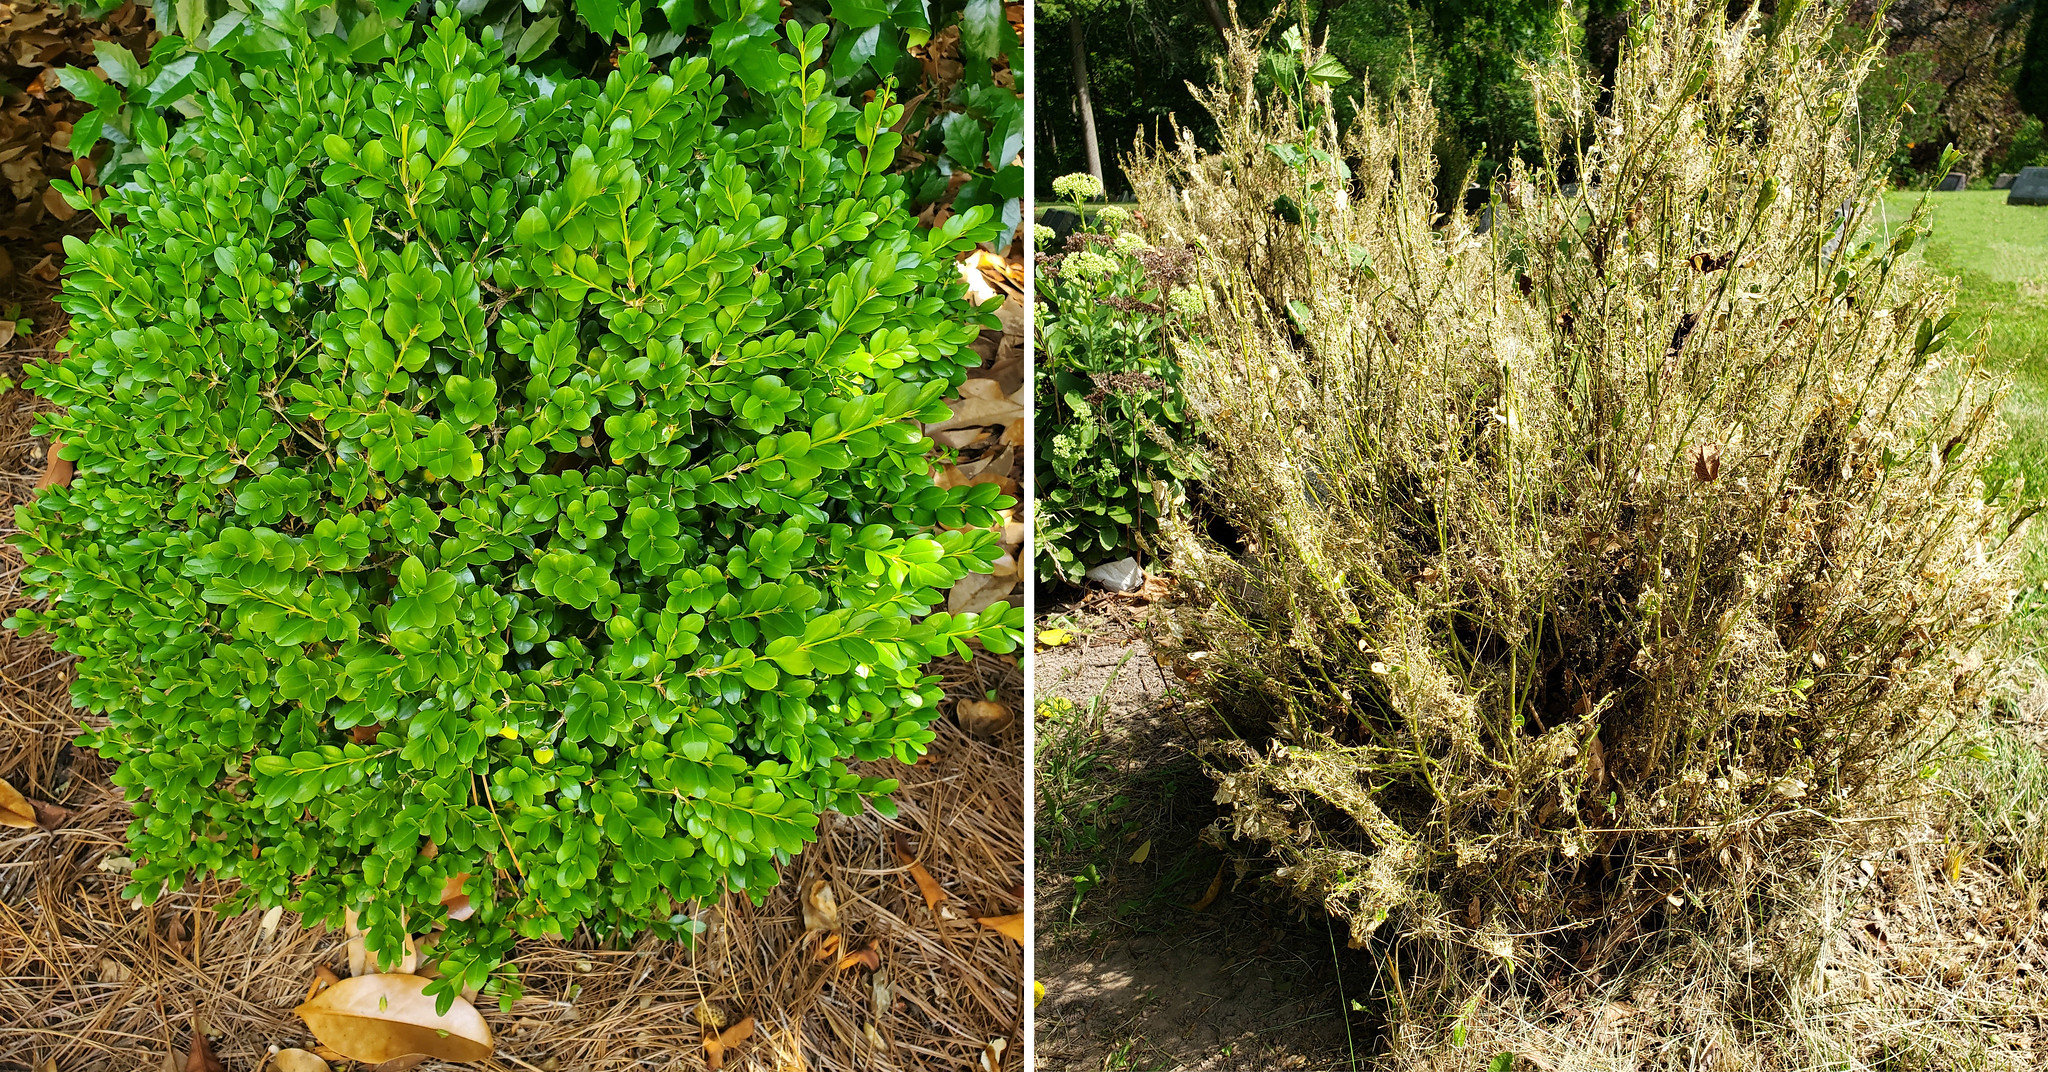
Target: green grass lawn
[1999, 256]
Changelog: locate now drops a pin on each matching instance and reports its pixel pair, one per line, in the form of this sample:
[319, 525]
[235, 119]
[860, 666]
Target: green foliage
[973, 125]
[1110, 411]
[2031, 87]
[526, 470]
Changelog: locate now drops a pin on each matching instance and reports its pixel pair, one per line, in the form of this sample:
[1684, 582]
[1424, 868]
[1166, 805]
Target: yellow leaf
[1144, 851]
[716, 1046]
[378, 1017]
[1215, 890]
[1011, 927]
[1053, 638]
[15, 811]
[297, 1061]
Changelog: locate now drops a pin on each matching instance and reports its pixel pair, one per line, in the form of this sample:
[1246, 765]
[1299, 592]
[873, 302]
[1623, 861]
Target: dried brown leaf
[56, 471]
[934, 894]
[200, 1057]
[821, 908]
[1706, 462]
[454, 899]
[985, 718]
[869, 957]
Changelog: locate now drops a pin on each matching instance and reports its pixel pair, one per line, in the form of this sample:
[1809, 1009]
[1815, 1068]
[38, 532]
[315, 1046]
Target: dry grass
[91, 983]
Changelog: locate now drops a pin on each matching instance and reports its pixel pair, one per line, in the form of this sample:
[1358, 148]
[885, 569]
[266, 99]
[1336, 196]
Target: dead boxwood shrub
[1595, 556]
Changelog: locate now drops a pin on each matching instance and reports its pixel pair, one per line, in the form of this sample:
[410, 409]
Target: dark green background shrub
[971, 125]
[528, 472]
[1110, 414]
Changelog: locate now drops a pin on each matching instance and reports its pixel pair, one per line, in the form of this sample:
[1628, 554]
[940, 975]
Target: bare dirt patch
[1134, 977]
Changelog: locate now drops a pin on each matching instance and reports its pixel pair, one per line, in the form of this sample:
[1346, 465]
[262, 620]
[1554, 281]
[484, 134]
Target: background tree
[1141, 54]
[1972, 73]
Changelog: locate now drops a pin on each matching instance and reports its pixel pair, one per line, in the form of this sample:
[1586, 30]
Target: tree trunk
[1216, 18]
[1080, 42]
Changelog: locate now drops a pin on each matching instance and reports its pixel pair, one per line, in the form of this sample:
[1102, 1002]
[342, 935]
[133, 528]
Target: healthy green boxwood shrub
[482, 479]
[1118, 431]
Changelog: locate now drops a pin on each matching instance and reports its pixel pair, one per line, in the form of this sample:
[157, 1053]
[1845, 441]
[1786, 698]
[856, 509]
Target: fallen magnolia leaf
[976, 592]
[378, 1017]
[981, 402]
[821, 907]
[359, 951]
[1053, 638]
[15, 810]
[1144, 851]
[402, 1064]
[1215, 890]
[992, 1055]
[978, 288]
[716, 1046]
[200, 1057]
[934, 894]
[1011, 927]
[296, 1060]
[869, 957]
[984, 718]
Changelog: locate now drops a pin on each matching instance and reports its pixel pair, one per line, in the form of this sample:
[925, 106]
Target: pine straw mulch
[87, 982]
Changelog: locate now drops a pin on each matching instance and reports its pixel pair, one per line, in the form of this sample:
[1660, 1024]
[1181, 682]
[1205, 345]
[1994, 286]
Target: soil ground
[1135, 979]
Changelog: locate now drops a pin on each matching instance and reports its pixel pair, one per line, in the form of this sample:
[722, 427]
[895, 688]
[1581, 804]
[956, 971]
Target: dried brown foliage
[1581, 573]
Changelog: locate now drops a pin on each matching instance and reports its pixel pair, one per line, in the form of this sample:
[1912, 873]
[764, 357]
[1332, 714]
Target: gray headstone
[1063, 221]
[2031, 188]
[1954, 180]
[2003, 181]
